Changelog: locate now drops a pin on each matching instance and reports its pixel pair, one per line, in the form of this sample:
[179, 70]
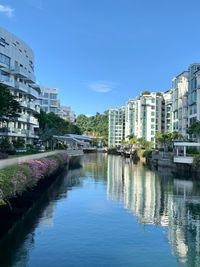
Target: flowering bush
[16, 179]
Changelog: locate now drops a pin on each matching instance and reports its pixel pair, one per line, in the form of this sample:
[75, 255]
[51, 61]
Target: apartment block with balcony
[149, 116]
[180, 104]
[167, 96]
[49, 99]
[17, 75]
[116, 126]
[66, 113]
[130, 118]
[193, 93]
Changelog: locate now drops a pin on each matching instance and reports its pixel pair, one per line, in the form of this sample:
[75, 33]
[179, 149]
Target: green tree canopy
[9, 107]
[96, 125]
[194, 128]
[145, 93]
[59, 125]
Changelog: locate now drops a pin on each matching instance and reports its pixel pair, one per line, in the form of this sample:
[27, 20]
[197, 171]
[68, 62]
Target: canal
[110, 212]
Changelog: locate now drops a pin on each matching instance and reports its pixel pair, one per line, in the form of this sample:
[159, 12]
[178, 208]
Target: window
[46, 95]
[152, 132]
[53, 96]
[152, 107]
[152, 126]
[45, 102]
[53, 110]
[53, 102]
[152, 113]
[152, 120]
[152, 100]
[152, 139]
[5, 60]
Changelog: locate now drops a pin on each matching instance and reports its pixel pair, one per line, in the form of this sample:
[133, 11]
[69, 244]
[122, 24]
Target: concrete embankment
[21, 185]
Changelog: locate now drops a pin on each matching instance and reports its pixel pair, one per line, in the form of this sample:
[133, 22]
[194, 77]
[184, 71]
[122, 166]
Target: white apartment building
[130, 118]
[116, 126]
[149, 116]
[66, 113]
[180, 104]
[193, 93]
[141, 118]
[17, 74]
[168, 111]
[49, 99]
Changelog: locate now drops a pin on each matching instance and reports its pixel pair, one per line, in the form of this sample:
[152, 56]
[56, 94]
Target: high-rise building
[180, 104]
[66, 113]
[167, 111]
[149, 116]
[130, 118]
[193, 93]
[49, 99]
[116, 126]
[17, 75]
[141, 118]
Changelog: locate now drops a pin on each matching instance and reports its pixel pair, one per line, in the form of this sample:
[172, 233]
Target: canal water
[110, 212]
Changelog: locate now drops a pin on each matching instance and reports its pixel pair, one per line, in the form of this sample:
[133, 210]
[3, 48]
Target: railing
[23, 72]
[6, 80]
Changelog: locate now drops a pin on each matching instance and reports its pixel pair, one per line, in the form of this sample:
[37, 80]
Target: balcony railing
[24, 74]
[6, 80]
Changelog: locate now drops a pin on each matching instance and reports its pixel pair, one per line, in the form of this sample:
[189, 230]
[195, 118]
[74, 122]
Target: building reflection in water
[159, 200]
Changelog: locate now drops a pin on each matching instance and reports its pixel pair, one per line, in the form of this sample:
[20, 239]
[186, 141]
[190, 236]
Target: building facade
[130, 119]
[49, 100]
[180, 104]
[193, 93]
[167, 96]
[66, 113]
[116, 126]
[149, 116]
[17, 75]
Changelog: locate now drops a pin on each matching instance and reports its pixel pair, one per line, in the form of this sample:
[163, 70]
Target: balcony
[3, 65]
[12, 132]
[7, 81]
[23, 74]
[33, 106]
[36, 87]
[33, 120]
[33, 93]
[22, 86]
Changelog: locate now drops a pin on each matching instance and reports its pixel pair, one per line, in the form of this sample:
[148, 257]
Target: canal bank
[21, 185]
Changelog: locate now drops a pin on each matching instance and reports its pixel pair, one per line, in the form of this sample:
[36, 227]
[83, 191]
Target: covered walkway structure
[181, 157]
[74, 141]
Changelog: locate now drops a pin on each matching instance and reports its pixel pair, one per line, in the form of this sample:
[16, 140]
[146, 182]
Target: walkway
[8, 162]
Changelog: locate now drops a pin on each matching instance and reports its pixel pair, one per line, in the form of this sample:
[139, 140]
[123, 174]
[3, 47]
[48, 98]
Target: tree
[163, 139]
[143, 143]
[53, 121]
[95, 125]
[123, 142]
[194, 129]
[132, 141]
[175, 135]
[9, 108]
[145, 93]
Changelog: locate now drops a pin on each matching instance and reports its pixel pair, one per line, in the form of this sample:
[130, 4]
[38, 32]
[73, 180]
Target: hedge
[16, 179]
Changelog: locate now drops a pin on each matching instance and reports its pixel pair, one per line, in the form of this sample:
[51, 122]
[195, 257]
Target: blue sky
[100, 53]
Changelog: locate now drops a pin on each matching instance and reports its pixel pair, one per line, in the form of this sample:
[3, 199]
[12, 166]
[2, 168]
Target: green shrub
[147, 154]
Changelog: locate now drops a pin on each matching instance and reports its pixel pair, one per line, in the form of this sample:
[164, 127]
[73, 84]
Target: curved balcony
[7, 81]
[23, 74]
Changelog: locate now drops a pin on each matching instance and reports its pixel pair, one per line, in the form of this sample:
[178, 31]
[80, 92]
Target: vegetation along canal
[110, 212]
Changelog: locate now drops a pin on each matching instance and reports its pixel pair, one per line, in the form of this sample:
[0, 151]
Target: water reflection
[161, 200]
[19, 241]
